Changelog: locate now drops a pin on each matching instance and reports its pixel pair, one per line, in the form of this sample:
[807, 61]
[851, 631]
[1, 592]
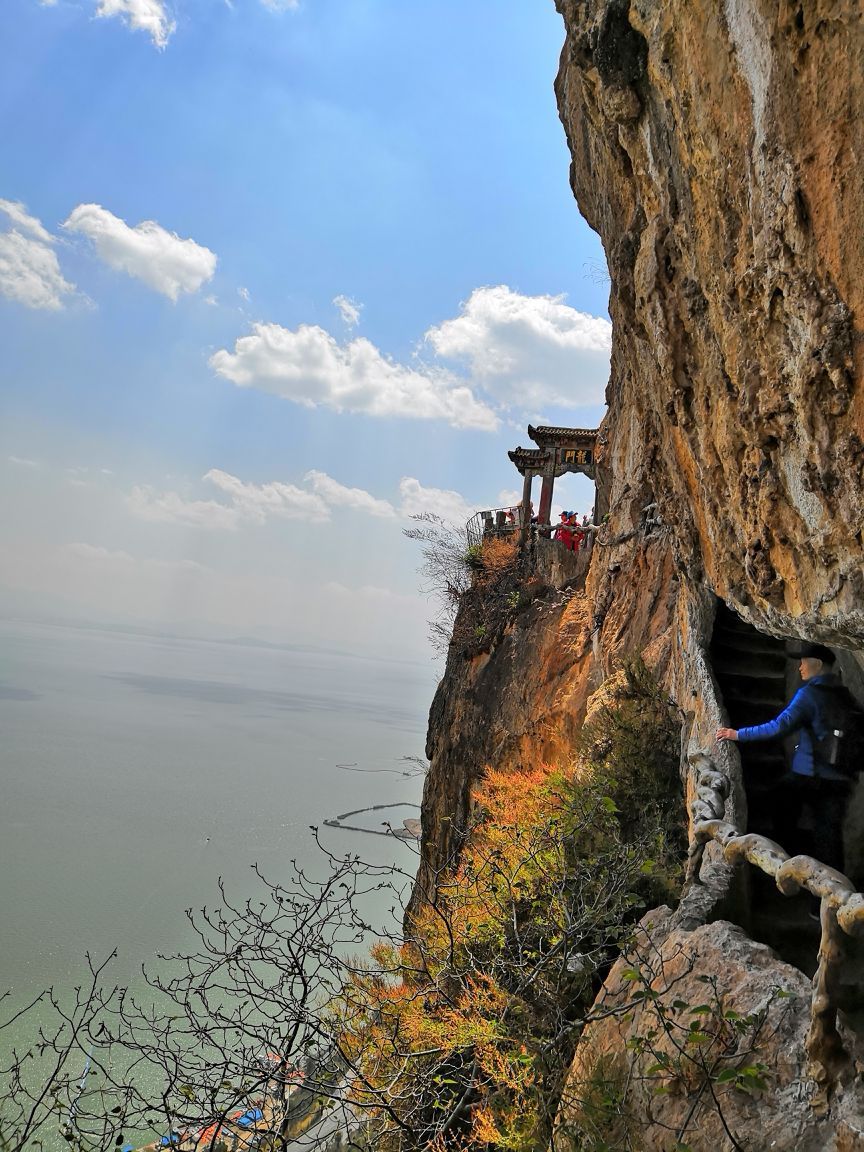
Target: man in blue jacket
[811, 779]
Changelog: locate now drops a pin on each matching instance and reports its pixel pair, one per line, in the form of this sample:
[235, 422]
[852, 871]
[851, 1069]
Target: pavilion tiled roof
[545, 433]
[529, 458]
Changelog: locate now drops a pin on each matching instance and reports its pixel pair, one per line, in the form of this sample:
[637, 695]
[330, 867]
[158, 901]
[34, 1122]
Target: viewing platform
[559, 451]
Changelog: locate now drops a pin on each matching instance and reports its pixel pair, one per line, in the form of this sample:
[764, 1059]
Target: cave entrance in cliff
[757, 674]
[559, 451]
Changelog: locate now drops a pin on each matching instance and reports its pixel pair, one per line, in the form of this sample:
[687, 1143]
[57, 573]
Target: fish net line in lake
[405, 833]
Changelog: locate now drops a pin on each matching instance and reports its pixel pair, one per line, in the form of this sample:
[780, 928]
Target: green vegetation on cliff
[463, 1035]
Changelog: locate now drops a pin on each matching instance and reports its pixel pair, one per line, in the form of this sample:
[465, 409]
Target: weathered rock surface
[663, 1082]
[717, 151]
[485, 712]
[523, 700]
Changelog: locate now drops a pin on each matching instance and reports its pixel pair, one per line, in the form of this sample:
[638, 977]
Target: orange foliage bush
[499, 553]
[463, 1033]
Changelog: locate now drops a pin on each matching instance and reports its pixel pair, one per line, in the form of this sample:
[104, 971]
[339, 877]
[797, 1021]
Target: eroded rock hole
[621, 53]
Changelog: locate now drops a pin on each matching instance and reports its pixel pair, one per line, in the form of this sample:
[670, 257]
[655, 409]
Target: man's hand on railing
[726, 734]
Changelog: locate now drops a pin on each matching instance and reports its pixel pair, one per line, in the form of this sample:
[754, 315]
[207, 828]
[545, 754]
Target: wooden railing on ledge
[841, 907]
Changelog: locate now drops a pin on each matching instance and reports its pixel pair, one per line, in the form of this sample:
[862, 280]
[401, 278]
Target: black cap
[816, 652]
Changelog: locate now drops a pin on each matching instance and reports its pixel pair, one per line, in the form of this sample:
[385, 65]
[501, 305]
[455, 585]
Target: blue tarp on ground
[250, 1117]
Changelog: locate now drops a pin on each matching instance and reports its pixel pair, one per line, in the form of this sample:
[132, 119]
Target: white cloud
[23, 462]
[171, 508]
[257, 502]
[248, 503]
[524, 351]
[245, 503]
[528, 350]
[416, 500]
[310, 367]
[150, 16]
[281, 5]
[340, 497]
[29, 270]
[349, 310]
[148, 252]
[30, 273]
[21, 218]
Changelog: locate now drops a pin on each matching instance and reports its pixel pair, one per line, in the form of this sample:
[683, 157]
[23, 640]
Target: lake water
[136, 771]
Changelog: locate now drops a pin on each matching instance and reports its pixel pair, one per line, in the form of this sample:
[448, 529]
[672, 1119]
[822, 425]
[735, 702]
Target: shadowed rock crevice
[620, 52]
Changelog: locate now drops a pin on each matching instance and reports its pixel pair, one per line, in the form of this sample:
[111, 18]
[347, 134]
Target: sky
[276, 275]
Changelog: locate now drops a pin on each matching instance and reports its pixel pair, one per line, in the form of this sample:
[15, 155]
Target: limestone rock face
[485, 712]
[656, 1079]
[523, 698]
[717, 149]
[714, 149]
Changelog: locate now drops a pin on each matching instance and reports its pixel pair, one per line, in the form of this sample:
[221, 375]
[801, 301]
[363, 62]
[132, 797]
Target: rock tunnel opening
[757, 674]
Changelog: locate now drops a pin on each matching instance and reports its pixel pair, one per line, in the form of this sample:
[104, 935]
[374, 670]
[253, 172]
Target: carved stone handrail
[841, 907]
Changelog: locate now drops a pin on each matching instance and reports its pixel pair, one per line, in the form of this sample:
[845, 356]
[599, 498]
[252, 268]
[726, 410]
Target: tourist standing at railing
[811, 781]
[563, 533]
[577, 535]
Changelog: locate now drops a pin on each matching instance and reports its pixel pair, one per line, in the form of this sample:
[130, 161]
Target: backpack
[842, 747]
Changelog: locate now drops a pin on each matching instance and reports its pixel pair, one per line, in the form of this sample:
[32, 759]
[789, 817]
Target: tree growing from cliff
[471, 587]
[445, 570]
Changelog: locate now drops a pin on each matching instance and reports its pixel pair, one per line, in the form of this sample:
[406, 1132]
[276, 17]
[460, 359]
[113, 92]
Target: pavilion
[558, 451]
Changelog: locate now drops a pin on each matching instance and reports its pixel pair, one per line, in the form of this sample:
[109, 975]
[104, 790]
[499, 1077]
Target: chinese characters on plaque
[575, 457]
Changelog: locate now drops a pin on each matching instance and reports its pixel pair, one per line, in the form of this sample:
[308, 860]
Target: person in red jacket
[562, 531]
[577, 535]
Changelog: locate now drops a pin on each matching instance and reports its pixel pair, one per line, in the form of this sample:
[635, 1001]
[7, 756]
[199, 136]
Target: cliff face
[716, 148]
[523, 698]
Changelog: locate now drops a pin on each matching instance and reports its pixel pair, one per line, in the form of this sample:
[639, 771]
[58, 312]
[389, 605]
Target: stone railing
[841, 907]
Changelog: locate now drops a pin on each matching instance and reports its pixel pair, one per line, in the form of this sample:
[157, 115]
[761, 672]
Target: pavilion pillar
[525, 528]
[545, 513]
